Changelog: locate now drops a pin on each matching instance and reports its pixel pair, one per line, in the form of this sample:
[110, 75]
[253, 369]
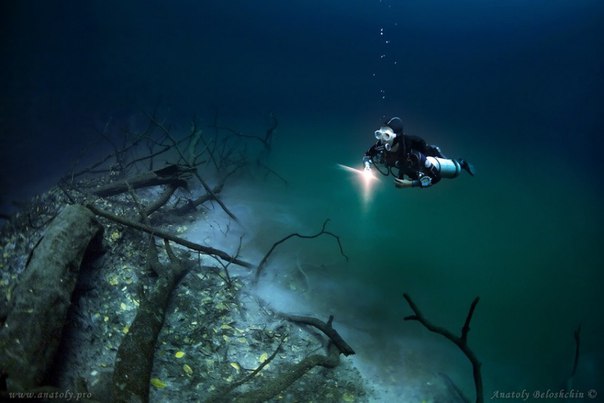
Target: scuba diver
[419, 164]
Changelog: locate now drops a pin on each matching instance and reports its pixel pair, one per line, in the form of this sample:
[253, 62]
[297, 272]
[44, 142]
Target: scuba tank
[446, 167]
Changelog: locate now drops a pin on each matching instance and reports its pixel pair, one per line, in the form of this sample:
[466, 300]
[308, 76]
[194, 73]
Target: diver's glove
[367, 163]
[425, 181]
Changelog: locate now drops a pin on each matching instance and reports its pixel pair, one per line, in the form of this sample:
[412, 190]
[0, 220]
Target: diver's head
[396, 124]
[386, 136]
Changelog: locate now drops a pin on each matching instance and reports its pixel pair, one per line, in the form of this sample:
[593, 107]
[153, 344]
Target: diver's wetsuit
[409, 156]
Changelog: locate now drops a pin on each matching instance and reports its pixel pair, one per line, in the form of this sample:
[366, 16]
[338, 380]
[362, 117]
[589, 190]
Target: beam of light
[366, 179]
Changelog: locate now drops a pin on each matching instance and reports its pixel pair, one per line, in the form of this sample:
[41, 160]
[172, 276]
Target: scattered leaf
[348, 397]
[179, 354]
[236, 366]
[115, 235]
[158, 383]
[263, 358]
[188, 370]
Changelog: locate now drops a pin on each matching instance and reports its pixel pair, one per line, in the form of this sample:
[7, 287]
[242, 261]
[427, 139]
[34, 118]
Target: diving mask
[386, 136]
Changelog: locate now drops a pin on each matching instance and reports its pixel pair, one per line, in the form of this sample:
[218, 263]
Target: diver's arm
[423, 182]
[368, 156]
[406, 183]
[372, 152]
[367, 162]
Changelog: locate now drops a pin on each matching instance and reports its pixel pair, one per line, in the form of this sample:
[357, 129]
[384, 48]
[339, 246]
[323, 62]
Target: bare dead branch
[149, 156]
[325, 327]
[167, 236]
[127, 148]
[225, 266]
[268, 137]
[466, 326]
[161, 200]
[266, 140]
[208, 189]
[459, 341]
[291, 375]
[221, 394]
[270, 171]
[191, 205]
[260, 267]
[138, 205]
[182, 156]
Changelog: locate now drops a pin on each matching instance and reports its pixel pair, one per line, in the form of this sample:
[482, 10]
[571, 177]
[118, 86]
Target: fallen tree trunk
[174, 175]
[32, 331]
[134, 359]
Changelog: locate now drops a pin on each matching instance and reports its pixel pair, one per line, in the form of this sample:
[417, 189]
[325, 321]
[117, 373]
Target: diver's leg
[434, 151]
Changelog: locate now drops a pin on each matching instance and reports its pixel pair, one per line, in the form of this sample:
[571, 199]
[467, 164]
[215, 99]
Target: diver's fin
[469, 168]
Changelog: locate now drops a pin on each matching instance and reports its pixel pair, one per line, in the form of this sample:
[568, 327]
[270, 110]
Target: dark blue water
[515, 86]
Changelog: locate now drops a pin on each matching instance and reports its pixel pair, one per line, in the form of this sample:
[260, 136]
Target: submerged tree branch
[268, 135]
[326, 328]
[167, 236]
[163, 199]
[459, 341]
[184, 158]
[221, 394]
[262, 264]
[573, 372]
[290, 375]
